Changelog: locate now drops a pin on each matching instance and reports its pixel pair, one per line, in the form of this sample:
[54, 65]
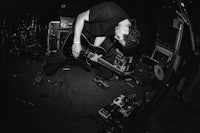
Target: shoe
[101, 82]
[39, 77]
[113, 77]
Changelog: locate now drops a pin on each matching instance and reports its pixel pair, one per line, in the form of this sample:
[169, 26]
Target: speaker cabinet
[56, 36]
[52, 37]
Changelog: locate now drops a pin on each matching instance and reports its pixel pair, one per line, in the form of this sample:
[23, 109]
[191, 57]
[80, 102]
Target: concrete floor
[67, 102]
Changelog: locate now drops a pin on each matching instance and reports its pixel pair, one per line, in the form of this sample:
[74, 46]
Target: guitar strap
[107, 44]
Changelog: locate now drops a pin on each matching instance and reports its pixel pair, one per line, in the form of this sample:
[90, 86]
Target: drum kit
[25, 38]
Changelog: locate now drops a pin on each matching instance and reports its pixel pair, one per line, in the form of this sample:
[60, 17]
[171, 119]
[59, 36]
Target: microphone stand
[166, 86]
[185, 17]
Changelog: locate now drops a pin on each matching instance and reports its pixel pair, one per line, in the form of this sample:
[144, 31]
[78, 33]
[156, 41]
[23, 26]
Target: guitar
[89, 51]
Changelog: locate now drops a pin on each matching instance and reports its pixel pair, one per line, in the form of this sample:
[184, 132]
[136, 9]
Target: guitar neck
[88, 51]
[106, 64]
[109, 66]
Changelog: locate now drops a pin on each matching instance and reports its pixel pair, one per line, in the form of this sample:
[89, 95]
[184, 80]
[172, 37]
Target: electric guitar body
[86, 46]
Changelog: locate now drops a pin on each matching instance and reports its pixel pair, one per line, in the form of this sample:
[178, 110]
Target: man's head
[126, 34]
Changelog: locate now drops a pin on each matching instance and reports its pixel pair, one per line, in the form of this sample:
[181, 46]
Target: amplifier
[56, 36]
[66, 22]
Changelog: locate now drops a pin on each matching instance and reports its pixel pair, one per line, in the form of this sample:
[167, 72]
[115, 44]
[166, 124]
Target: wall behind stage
[50, 9]
[145, 12]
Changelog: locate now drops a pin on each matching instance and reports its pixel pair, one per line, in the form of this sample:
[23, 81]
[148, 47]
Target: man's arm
[80, 20]
[76, 47]
[99, 40]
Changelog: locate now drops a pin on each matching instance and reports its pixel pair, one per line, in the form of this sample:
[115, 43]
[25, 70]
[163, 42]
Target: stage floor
[66, 102]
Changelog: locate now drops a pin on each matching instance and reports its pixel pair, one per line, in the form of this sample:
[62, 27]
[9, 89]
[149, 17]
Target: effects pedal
[126, 111]
[119, 101]
[104, 113]
[108, 110]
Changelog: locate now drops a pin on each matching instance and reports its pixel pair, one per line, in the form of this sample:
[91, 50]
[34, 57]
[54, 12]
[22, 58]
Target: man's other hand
[76, 49]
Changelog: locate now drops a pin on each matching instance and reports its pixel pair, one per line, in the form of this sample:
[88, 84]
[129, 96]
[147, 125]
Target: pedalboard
[120, 110]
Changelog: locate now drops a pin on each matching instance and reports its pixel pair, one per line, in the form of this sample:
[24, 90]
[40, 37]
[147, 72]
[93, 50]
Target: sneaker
[101, 82]
[114, 77]
[39, 77]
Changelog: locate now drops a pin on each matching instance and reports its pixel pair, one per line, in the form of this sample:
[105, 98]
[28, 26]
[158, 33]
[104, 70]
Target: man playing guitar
[102, 24]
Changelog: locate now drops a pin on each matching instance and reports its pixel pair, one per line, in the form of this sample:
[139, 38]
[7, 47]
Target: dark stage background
[148, 14]
[152, 17]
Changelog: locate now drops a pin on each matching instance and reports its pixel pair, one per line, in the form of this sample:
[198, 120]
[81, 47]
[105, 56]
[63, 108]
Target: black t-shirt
[103, 18]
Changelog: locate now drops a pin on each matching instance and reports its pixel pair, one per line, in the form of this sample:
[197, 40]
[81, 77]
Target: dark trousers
[53, 63]
[104, 72]
[58, 60]
[109, 56]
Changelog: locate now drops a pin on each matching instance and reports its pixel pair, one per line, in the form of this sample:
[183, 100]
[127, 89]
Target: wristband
[77, 42]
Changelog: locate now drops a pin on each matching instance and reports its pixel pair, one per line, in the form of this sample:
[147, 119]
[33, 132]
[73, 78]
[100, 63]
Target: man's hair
[133, 38]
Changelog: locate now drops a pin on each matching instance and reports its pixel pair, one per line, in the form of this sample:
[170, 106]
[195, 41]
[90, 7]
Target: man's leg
[53, 63]
[104, 73]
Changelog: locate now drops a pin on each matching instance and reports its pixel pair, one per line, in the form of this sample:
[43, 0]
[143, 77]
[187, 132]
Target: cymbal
[159, 73]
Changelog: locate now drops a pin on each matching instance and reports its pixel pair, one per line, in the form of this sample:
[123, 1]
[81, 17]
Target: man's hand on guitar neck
[95, 57]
